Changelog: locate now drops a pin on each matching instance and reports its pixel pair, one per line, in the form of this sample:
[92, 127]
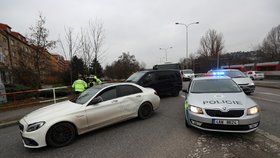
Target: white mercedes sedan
[58, 124]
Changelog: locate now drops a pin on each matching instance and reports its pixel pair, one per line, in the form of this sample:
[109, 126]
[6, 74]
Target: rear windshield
[167, 66]
[214, 86]
[136, 77]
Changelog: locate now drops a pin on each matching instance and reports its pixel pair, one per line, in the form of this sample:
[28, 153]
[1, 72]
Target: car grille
[226, 127]
[21, 126]
[230, 113]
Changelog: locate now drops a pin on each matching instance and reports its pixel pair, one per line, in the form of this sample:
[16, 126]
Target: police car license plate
[225, 122]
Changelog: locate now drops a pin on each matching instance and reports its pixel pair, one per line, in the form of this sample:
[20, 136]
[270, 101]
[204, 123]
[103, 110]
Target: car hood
[52, 111]
[245, 80]
[220, 100]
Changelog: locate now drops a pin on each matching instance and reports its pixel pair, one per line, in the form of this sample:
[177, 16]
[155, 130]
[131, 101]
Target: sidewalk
[11, 117]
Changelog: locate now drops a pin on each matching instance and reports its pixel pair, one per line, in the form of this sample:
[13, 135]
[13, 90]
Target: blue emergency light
[219, 73]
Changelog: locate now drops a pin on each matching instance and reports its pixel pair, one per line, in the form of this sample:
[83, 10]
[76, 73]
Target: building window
[2, 56]
[12, 42]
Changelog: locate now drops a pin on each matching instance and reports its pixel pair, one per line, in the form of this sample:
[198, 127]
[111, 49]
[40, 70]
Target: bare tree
[271, 45]
[39, 39]
[91, 41]
[96, 31]
[211, 44]
[71, 46]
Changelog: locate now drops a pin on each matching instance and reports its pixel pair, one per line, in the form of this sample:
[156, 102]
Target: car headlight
[35, 126]
[251, 84]
[195, 109]
[253, 110]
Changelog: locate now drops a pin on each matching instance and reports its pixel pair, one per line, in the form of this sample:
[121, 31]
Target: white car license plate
[225, 122]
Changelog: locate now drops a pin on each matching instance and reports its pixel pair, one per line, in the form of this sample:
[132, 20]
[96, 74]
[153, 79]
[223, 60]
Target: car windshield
[187, 71]
[214, 86]
[232, 74]
[259, 72]
[85, 96]
[135, 77]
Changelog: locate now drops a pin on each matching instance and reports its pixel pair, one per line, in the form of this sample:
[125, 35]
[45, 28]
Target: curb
[9, 123]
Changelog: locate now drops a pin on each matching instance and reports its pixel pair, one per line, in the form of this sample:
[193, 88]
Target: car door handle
[114, 101]
[138, 96]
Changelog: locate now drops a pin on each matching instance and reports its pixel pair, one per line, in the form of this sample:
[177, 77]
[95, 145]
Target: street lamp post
[165, 49]
[187, 26]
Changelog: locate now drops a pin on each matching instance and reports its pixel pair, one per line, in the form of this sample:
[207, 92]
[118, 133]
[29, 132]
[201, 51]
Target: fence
[36, 96]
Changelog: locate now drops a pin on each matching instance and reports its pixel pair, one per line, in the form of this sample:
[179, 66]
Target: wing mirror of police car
[185, 90]
[96, 100]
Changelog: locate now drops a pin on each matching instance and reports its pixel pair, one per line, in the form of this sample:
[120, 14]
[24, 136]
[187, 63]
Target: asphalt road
[164, 135]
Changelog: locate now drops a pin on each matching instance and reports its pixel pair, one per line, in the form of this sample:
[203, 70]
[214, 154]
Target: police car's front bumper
[246, 123]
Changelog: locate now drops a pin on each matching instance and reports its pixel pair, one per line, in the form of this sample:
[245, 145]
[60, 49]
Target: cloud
[143, 26]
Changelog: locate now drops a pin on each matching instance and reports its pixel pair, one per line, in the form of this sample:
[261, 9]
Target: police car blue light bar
[219, 73]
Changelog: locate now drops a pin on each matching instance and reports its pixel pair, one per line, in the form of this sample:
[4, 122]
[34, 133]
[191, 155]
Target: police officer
[79, 85]
[95, 81]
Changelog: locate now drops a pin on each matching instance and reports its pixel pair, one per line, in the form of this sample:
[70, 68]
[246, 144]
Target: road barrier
[35, 96]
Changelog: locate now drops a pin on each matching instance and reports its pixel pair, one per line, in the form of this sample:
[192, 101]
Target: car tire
[187, 124]
[60, 134]
[175, 93]
[145, 111]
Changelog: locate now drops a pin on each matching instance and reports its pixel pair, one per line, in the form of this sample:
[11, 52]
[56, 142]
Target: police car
[58, 124]
[217, 103]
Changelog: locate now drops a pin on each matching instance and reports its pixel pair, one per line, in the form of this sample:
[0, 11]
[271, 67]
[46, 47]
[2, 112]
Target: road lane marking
[274, 101]
[267, 93]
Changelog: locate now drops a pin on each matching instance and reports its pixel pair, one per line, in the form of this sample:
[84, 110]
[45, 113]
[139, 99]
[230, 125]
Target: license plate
[225, 122]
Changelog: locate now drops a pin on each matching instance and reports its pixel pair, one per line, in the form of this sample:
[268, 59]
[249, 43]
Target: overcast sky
[143, 26]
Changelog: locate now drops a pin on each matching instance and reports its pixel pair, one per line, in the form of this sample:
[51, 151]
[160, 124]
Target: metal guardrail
[34, 91]
[54, 96]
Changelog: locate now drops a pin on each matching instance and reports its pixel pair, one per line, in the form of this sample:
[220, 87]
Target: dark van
[162, 81]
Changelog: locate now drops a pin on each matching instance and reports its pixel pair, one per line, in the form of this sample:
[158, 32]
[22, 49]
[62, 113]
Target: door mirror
[96, 100]
[185, 90]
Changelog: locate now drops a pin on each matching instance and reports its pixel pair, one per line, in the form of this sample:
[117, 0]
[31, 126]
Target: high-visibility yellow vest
[79, 85]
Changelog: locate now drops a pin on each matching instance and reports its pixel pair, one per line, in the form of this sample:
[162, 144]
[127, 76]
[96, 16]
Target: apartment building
[17, 59]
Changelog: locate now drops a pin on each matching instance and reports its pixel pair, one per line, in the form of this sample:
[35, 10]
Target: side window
[250, 72]
[108, 94]
[149, 78]
[125, 90]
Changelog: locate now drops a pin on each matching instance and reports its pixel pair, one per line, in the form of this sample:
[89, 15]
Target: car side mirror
[185, 90]
[96, 100]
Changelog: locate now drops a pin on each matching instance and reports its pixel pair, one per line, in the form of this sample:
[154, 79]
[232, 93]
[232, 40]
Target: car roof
[101, 86]
[161, 70]
[211, 77]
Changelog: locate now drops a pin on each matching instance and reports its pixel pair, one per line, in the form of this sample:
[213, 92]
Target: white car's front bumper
[35, 139]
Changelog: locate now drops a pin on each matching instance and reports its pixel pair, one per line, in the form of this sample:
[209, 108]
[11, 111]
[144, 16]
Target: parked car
[255, 75]
[58, 124]
[188, 74]
[239, 77]
[164, 82]
[219, 104]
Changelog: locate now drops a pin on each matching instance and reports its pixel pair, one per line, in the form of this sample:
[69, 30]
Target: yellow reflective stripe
[186, 104]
